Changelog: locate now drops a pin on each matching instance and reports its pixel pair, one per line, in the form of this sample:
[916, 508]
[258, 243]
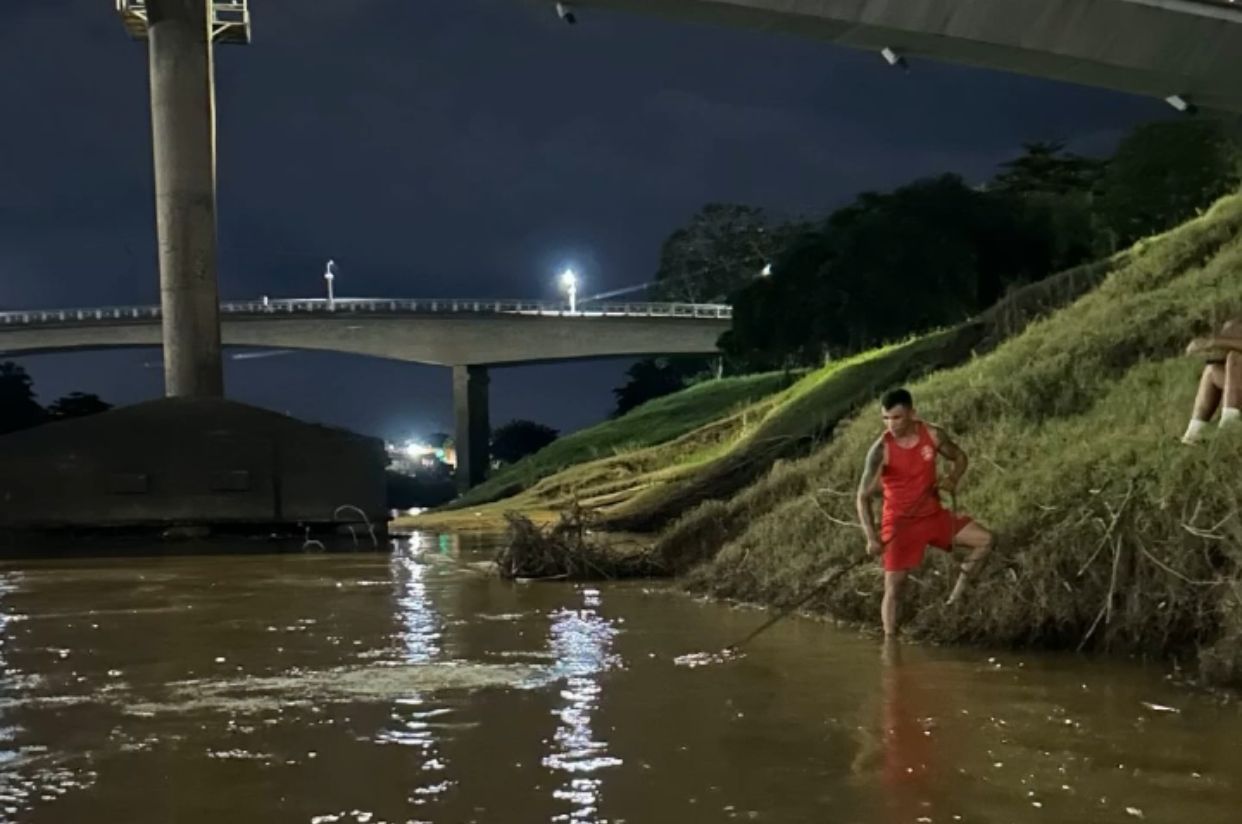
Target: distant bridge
[444, 332]
[467, 335]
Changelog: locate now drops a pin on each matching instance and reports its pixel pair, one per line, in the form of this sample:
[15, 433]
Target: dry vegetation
[573, 548]
[1113, 535]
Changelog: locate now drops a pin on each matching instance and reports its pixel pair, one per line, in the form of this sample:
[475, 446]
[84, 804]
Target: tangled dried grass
[571, 549]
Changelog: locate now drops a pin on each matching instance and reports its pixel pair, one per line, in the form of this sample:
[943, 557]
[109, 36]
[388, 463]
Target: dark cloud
[462, 148]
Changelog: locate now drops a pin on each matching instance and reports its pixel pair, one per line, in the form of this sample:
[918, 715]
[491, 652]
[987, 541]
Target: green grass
[712, 439]
[795, 421]
[655, 422]
[1113, 536]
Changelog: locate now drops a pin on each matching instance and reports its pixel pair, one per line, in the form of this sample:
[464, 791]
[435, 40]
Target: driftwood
[570, 549]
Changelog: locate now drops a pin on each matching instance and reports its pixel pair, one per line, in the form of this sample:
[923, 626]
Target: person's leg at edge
[1230, 413]
[891, 605]
[979, 541]
[1207, 399]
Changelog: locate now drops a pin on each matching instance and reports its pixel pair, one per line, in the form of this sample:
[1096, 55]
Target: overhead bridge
[1186, 51]
[467, 335]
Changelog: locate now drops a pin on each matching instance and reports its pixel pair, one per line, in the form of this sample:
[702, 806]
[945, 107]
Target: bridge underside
[1157, 48]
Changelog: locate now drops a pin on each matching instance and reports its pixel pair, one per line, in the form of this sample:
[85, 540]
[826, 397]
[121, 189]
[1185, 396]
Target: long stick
[827, 581]
[818, 588]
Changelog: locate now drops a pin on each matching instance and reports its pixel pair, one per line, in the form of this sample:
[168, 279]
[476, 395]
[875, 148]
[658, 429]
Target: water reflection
[904, 751]
[31, 775]
[420, 629]
[581, 640]
[405, 688]
[420, 624]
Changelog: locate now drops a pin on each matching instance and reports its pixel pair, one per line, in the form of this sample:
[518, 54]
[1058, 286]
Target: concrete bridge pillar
[184, 131]
[473, 429]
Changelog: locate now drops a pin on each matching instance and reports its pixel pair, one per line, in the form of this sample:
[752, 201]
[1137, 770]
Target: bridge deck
[443, 332]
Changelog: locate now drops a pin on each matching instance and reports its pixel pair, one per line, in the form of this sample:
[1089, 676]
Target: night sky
[470, 148]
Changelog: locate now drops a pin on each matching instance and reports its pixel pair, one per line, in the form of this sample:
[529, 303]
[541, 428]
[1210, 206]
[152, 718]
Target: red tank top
[909, 478]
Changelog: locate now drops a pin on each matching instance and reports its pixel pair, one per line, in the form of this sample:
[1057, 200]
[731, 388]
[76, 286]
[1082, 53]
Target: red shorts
[905, 542]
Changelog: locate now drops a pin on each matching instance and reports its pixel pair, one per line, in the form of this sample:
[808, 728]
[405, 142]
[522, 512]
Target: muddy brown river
[403, 687]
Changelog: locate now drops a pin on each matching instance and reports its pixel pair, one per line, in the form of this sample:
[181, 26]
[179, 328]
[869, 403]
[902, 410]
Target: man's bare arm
[950, 450]
[869, 487]
[1226, 343]
[1229, 339]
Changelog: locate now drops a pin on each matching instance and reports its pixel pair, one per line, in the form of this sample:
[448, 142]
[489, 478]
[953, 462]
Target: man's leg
[889, 607]
[1232, 387]
[1207, 399]
[979, 541]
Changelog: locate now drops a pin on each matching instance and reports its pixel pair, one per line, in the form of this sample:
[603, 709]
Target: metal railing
[230, 19]
[378, 306]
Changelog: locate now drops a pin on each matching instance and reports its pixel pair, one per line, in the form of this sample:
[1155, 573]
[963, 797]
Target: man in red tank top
[901, 466]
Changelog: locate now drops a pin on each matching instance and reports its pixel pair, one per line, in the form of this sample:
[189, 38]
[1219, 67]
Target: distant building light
[417, 450]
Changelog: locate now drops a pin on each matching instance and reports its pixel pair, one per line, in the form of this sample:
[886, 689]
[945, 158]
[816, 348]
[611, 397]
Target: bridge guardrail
[380, 306]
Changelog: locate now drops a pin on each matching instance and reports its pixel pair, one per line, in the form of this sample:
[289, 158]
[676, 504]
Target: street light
[569, 282]
[328, 275]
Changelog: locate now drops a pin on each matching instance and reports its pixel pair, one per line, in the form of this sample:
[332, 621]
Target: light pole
[569, 282]
[329, 275]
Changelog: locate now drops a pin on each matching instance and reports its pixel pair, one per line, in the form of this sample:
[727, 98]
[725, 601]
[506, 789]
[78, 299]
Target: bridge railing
[316, 306]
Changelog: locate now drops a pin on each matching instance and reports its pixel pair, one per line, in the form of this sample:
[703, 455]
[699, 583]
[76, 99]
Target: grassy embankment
[1113, 536]
[678, 429]
[641, 471]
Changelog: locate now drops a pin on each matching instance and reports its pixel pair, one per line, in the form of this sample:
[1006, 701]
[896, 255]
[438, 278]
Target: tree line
[930, 253]
[19, 408]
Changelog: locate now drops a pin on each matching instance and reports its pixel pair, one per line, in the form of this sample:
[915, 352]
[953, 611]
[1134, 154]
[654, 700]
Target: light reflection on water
[31, 775]
[399, 687]
[420, 629]
[581, 639]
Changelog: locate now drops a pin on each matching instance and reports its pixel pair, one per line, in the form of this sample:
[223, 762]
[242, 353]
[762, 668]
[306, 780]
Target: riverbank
[1113, 536]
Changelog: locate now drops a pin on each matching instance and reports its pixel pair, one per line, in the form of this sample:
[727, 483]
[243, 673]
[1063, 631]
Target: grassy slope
[803, 415]
[1104, 519]
[663, 421]
[643, 488]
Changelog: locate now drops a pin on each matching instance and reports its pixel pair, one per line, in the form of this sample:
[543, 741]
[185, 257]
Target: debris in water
[1158, 707]
[703, 659]
[569, 549]
[1134, 811]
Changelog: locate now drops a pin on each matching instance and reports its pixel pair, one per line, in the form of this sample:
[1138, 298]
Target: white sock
[1230, 415]
[1194, 432]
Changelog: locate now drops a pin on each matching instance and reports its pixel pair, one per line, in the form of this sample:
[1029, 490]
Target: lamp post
[569, 282]
[329, 275]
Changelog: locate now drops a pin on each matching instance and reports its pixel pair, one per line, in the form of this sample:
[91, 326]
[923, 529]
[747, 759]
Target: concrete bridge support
[473, 428]
[183, 128]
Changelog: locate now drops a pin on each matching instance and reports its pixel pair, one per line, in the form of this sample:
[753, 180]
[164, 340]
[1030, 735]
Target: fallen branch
[572, 548]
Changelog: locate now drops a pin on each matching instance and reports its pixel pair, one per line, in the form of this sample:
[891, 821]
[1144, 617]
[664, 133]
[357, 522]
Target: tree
[1165, 172]
[928, 254]
[723, 247]
[1052, 194]
[519, 438]
[653, 378]
[18, 407]
[1045, 168]
[77, 405]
